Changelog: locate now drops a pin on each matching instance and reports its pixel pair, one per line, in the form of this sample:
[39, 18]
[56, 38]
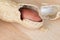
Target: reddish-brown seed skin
[30, 14]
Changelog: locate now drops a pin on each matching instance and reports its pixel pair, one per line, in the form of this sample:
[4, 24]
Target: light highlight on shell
[50, 12]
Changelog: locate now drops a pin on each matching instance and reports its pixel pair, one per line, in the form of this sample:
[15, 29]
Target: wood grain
[9, 32]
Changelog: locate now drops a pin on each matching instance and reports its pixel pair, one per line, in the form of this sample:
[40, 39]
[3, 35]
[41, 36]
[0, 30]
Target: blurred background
[38, 2]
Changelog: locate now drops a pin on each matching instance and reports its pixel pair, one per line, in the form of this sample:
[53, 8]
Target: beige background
[14, 31]
[38, 2]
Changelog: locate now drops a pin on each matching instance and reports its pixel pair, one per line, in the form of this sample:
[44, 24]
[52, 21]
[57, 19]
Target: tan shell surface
[10, 13]
[13, 31]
